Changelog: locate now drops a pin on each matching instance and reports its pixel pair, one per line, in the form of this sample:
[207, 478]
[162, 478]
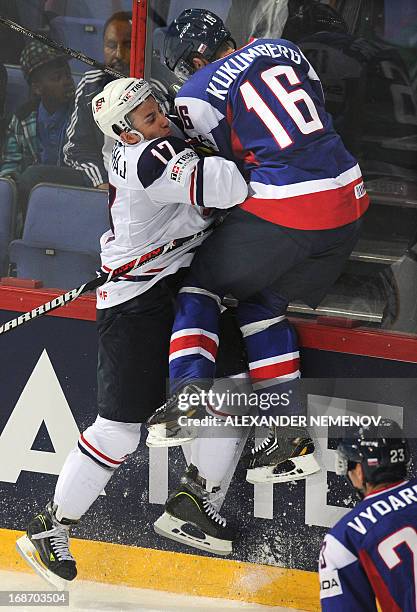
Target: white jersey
[106, 150]
[160, 190]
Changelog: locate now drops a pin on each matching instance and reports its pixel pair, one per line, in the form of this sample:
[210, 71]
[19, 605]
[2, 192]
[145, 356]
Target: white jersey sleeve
[171, 172]
[158, 191]
[344, 586]
[199, 118]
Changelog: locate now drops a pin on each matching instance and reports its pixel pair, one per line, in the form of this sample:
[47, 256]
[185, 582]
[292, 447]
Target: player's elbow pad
[231, 187]
[239, 189]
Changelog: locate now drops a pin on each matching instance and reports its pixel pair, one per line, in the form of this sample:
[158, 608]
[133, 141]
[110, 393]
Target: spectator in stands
[37, 131]
[12, 43]
[3, 90]
[86, 149]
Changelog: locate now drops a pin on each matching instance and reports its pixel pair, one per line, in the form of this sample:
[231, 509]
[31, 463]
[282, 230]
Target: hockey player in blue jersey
[371, 554]
[263, 107]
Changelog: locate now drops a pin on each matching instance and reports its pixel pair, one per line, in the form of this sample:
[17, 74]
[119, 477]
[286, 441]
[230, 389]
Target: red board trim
[358, 341]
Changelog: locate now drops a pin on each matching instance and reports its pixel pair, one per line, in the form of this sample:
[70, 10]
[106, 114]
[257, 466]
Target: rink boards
[47, 374]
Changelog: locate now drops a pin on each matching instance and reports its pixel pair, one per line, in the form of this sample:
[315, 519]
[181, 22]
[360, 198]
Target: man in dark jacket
[86, 149]
[3, 89]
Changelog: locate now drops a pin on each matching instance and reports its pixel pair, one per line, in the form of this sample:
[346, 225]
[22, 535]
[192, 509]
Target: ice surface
[91, 596]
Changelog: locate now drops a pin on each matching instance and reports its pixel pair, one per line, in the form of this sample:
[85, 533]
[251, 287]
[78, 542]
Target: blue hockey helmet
[382, 451]
[195, 32]
[306, 17]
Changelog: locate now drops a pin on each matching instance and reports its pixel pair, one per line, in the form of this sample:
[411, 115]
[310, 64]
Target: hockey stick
[51, 43]
[103, 278]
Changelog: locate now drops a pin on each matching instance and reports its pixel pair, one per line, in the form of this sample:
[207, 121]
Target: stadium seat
[60, 243]
[89, 8]
[81, 34]
[17, 89]
[7, 220]
[30, 13]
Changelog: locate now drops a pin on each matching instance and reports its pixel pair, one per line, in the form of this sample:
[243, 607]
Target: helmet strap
[132, 130]
[135, 133]
[139, 134]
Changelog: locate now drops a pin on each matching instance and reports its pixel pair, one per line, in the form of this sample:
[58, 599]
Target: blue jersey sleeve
[153, 161]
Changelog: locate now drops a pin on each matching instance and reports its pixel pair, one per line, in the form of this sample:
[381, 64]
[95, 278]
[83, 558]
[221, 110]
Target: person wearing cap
[37, 131]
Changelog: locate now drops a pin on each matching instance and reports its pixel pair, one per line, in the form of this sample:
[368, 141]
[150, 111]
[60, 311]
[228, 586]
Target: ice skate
[282, 459]
[191, 518]
[46, 548]
[163, 426]
[159, 436]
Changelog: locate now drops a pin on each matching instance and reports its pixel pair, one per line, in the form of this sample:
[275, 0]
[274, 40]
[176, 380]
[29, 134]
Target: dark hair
[119, 16]
[225, 46]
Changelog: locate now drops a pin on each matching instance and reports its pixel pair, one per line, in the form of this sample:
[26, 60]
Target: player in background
[370, 556]
[262, 106]
[355, 73]
[159, 192]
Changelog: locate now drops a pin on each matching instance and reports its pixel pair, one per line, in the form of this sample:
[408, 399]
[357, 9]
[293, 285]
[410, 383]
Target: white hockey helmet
[115, 102]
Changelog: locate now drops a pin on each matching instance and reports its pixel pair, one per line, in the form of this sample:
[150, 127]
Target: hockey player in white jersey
[160, 191]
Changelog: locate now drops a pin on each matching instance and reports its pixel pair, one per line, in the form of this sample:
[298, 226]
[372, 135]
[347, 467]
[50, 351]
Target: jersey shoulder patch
[330, 584]
[155, 158]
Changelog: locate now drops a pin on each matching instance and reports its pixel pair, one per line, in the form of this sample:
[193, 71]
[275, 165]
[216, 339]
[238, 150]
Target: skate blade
[29, 553]
[156, 439]
[305, 466]
[170, 527]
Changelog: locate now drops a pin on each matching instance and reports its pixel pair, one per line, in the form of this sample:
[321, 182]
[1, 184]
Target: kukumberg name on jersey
[230, 69]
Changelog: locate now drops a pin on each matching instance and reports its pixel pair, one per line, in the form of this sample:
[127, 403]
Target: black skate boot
[45, 546]
[163, 426]
[191, 518]
[282, 456]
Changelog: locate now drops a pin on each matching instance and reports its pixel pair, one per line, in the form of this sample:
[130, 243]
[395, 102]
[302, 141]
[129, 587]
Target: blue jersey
[371, 554]
[263, 104]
